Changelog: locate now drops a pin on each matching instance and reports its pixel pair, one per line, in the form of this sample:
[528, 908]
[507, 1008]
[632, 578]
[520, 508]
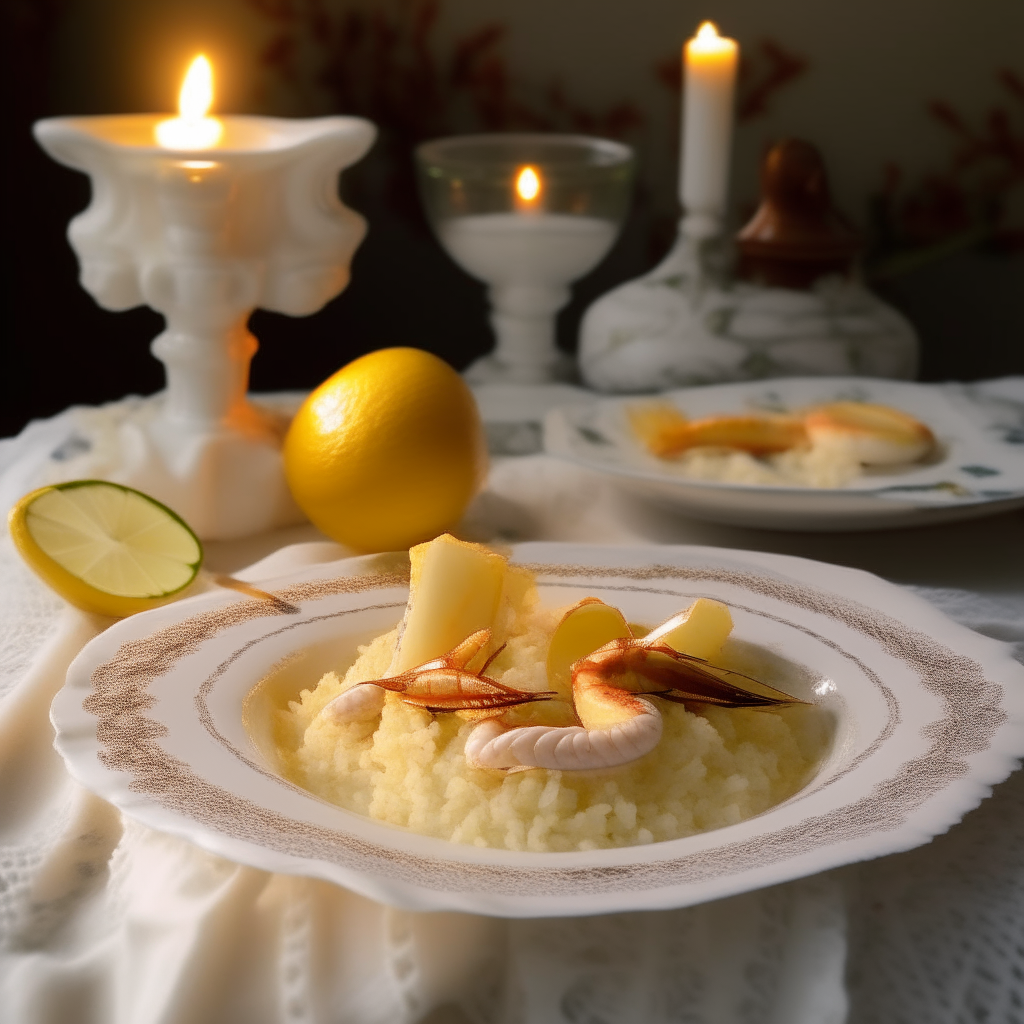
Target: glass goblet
[528, 214]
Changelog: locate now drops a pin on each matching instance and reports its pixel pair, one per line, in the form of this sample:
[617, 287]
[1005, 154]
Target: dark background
[943, 246]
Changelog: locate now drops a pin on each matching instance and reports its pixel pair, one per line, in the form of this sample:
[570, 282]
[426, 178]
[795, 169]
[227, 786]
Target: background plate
[980, 429]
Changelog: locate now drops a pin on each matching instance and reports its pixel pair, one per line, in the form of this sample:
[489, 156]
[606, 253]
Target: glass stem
[523, 318]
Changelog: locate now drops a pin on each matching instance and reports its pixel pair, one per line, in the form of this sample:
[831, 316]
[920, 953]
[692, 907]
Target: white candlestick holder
[528, 215]
[204, 237]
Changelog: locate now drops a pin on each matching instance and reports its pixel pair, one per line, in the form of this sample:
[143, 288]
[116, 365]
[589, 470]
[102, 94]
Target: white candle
[708, 94]
[535, 249]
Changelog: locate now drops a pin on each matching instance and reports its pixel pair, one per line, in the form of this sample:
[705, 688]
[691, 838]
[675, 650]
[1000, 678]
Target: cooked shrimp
[443, 684]
[618, 725]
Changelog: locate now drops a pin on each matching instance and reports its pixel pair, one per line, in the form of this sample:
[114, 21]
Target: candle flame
[196, 96]
[528, 184]
[192, 128]
[708, 43]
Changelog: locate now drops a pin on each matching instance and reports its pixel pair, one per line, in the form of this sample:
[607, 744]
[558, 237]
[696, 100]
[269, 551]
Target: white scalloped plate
[980, 430]
[928, 716]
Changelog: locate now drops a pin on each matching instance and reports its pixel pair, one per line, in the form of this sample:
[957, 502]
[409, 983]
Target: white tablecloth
[102, 920]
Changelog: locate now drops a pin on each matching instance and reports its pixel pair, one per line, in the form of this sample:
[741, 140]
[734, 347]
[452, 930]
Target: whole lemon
[388, 452]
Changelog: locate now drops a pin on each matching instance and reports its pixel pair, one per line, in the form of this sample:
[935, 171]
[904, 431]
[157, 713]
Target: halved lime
[104, 547]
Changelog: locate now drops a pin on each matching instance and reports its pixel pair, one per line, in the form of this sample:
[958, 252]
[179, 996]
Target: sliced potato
[455, 589]
[584, 628]
[700, 631]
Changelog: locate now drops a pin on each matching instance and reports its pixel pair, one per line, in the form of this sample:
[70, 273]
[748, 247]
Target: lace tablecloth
[104, 921]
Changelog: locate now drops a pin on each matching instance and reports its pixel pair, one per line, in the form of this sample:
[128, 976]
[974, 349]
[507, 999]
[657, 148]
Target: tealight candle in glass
[528, 214]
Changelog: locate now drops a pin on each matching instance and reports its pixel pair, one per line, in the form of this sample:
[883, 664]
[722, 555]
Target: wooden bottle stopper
[796, 236]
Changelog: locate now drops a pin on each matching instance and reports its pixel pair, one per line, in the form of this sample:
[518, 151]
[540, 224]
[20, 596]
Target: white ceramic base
[680, 326]
[225, 483]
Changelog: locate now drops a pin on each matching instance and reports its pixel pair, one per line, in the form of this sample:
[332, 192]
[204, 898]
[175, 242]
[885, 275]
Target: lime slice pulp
[105, 547]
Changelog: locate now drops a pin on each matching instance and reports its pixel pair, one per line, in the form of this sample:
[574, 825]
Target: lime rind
[116, 539]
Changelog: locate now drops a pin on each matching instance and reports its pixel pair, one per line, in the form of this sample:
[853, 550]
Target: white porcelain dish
[979, 471]
[927, 714]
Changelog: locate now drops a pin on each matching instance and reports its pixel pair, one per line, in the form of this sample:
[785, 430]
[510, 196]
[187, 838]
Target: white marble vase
[685, 323]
